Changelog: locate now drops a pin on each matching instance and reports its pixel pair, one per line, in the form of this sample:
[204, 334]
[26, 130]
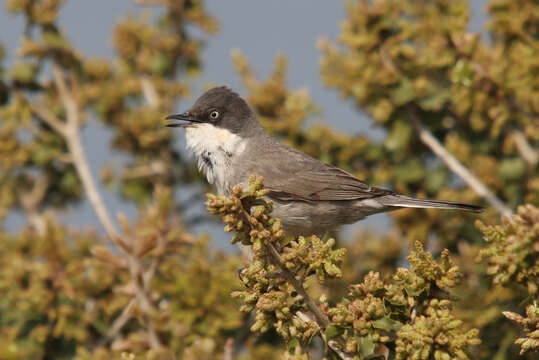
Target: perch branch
[321, 318]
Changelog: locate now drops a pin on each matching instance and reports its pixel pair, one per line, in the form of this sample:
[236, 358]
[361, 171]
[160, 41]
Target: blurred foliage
[513, 249]
[402, 60]
[153, 291]
[513, 257]
[61, 301]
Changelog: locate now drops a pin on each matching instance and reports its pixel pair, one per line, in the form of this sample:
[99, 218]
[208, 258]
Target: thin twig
[31, 201]
[228, 352]
[48, 117]
[454, 165]
[143, 300]
[74, 142]
[155, 168]
[320, 318]
[528, 153]
[117, 324]
[148, 89]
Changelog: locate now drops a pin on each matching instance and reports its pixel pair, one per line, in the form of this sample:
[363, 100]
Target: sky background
[260, 29]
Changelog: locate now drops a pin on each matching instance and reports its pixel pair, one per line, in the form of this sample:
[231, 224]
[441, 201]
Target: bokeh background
[107, 249]
[259, 29]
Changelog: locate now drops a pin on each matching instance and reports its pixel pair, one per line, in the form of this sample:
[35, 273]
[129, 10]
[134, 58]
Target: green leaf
[511, 169]
[160, 64]
[333, 331]
[366, 345]
[23, 73]
[409, 172]
[387, 324]
[399, 136]
[403, 93]
[435, 101]
[436, 180]
[292, 344]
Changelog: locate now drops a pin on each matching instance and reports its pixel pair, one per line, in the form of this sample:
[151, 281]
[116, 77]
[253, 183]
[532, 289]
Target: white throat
[214, 149]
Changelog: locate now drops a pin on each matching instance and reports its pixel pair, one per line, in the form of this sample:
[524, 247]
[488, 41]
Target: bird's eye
[214, 114]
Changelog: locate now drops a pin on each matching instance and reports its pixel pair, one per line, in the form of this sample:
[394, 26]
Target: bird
[309, 196]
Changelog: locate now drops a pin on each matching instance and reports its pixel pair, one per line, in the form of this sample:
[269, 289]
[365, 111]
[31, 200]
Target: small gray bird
[310, 197]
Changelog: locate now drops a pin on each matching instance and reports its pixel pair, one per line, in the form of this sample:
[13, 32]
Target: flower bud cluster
[411, 309]
[436, 334]
[312, 255]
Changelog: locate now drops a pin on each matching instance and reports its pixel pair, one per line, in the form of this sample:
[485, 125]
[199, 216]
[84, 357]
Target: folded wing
[293, 175]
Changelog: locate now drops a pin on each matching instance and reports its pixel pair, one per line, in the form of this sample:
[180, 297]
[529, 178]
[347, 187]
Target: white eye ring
[214, 114]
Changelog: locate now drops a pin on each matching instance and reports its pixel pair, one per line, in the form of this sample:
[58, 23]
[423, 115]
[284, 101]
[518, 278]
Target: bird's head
[219, 107]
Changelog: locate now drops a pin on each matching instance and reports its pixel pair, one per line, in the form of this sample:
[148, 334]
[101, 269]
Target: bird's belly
[308, 218]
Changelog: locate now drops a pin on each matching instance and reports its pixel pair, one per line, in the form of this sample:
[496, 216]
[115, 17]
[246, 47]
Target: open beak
[181, 120]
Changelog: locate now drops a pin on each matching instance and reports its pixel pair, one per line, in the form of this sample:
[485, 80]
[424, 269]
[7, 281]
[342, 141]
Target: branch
[117, 324]
[148, 89]
[72, 135]
[454, 165]
[74, 142]
[528, 153]
[48, 117]
[31, 200]
[228, 353]
[155, 168]
[321, 318]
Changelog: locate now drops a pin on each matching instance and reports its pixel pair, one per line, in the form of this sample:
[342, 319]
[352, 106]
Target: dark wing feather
[292, 175]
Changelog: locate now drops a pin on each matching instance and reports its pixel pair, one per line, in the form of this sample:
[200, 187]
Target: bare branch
[454, 165]
[148, 89]
[48, 117]
[228, 353]
[118, 323]
[74, 143]
[69, 102]
[527, 152]
[155, 168]
[31, 200]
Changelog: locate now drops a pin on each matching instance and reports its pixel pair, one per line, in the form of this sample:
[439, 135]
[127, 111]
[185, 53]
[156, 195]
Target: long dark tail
[406, 201]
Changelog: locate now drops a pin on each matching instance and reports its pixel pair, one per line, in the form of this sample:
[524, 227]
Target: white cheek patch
[214, 148]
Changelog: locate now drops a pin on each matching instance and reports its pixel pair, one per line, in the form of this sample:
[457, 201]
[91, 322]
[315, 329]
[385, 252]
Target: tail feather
[406, 201]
